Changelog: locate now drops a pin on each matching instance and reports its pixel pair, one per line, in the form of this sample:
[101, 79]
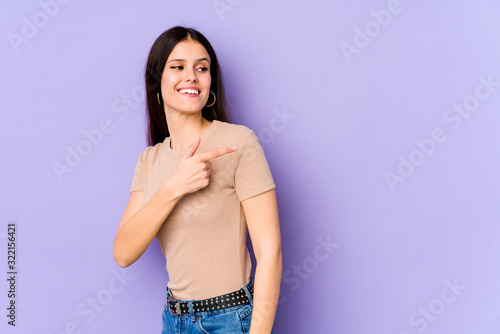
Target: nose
[190, 75]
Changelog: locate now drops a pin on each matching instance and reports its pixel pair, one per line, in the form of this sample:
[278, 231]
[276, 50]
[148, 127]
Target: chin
[187, 109]
[191, 111]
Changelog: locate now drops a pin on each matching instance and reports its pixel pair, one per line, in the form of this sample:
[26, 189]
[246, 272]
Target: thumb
[192, 149]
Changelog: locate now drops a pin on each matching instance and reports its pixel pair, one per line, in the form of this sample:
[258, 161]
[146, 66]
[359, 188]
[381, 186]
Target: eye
[176, 67]
[203, 69]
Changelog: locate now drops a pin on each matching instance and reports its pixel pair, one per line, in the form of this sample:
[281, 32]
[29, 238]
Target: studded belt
[231, 299]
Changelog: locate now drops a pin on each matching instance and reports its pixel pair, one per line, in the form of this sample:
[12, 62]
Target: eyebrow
[182, 60]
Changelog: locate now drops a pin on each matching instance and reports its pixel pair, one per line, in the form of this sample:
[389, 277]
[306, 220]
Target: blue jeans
[231, 320]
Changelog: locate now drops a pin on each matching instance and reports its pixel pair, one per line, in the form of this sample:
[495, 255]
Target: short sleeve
[138, 181]
[252, 174]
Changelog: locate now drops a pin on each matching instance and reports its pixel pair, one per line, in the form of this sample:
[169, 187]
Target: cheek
[168, 83]
[207, 81]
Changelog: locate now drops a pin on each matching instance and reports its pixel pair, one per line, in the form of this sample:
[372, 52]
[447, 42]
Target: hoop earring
[158, 97]
[215, 99]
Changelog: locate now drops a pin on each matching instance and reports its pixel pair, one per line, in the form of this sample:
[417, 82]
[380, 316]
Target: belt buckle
[175, 305]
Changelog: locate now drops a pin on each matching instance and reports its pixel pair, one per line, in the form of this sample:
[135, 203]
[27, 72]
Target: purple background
[333, 123]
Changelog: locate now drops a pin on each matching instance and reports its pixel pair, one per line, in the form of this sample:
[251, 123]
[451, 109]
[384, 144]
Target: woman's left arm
[261, 213]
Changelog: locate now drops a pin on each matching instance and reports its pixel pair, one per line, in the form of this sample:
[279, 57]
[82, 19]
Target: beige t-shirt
[204, 237]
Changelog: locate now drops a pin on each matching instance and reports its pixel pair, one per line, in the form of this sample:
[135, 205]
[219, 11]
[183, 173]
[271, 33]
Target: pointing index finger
[216, 153]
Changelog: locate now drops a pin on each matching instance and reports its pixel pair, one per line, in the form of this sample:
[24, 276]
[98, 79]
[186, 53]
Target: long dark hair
[161, 49]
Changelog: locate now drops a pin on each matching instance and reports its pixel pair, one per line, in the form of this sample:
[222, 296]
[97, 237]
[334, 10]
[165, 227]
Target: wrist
[170, 192]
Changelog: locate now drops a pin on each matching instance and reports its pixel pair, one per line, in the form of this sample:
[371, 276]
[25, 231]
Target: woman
[198, 197]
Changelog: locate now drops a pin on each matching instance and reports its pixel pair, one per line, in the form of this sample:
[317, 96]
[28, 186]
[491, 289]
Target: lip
[187, 94]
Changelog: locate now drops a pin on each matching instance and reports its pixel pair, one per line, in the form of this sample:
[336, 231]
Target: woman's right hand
[193, 172]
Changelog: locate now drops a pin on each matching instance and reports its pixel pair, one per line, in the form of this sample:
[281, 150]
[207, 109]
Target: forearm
[266, 293]
[133, 238]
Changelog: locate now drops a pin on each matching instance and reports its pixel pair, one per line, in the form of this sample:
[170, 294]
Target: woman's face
[187, 67]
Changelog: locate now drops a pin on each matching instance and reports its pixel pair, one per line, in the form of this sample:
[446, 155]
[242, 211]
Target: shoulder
[236, 132]
[247, 143]
[151, 153]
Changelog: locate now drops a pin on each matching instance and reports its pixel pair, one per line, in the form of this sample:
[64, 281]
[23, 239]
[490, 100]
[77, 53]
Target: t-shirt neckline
[204, 139]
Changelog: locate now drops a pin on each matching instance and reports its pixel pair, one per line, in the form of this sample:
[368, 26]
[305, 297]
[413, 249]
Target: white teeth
[189, 91]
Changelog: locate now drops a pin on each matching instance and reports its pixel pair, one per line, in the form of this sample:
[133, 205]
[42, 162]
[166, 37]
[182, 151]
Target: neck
[184, 128]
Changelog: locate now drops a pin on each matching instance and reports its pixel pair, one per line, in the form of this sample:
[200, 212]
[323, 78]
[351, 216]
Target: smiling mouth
[190, 92]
